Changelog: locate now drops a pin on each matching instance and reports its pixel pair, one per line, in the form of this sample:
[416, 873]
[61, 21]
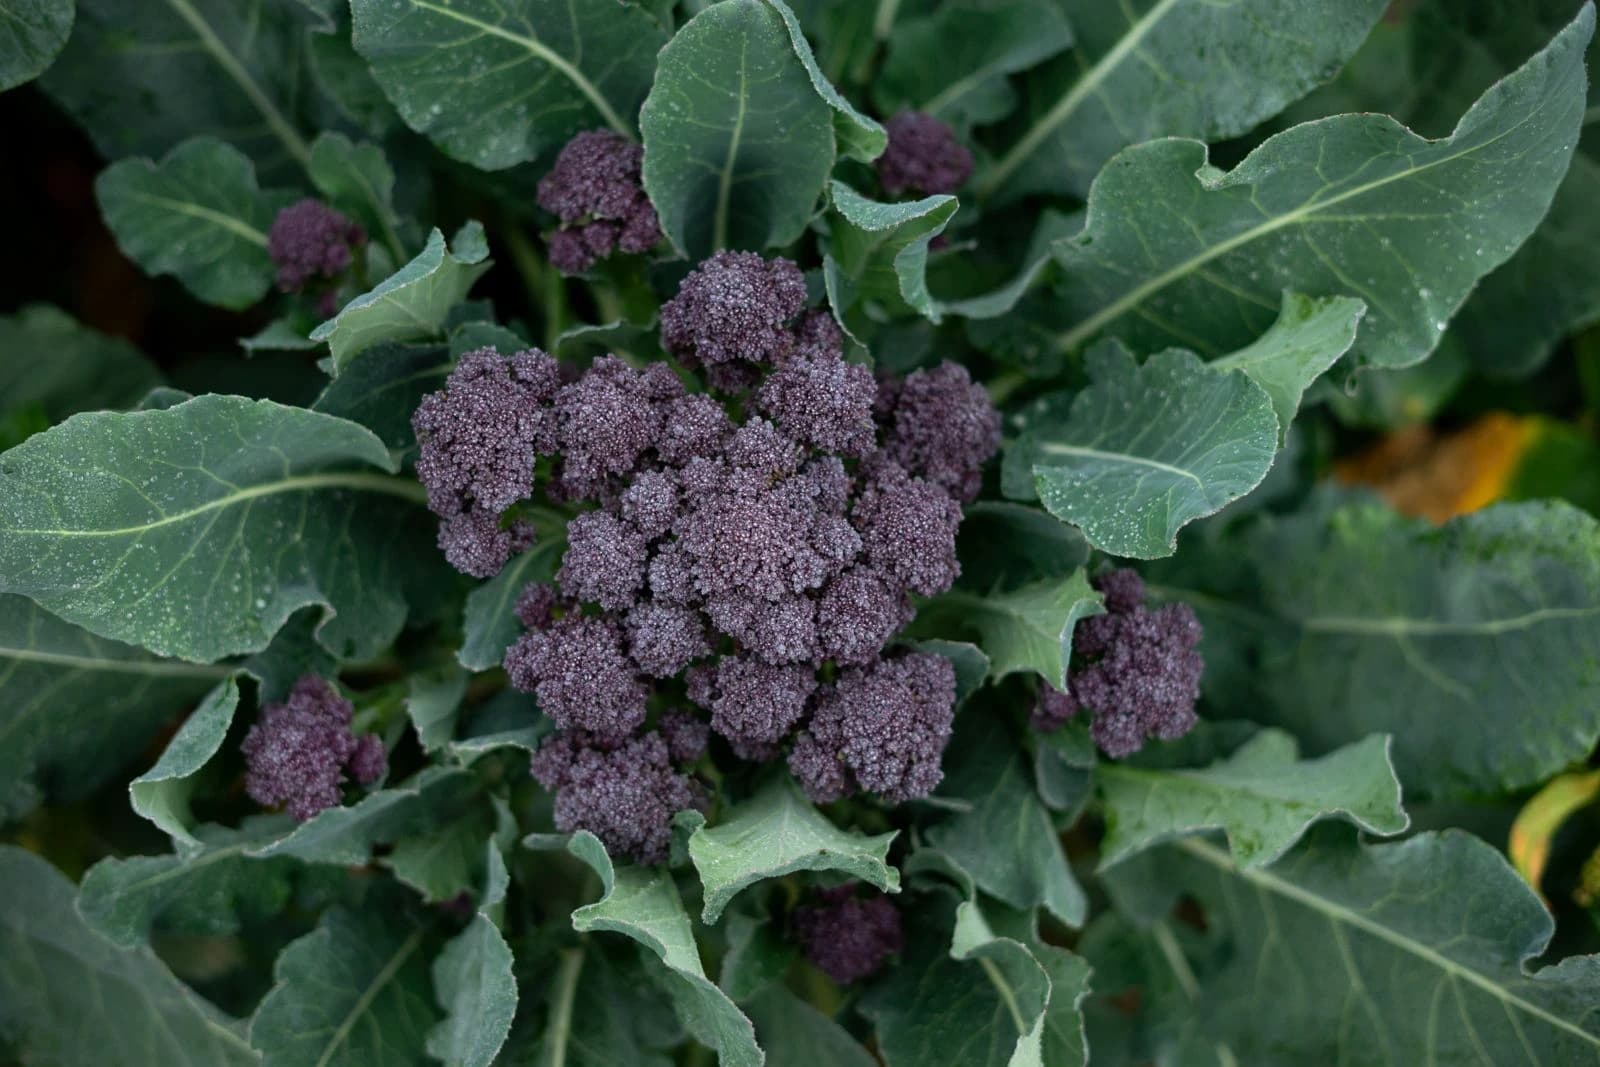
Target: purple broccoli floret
[686, 735]
[945, 429]
[475, 543]
[823, 402]
[650, 504]
[1052, 709]
[758, 703]
[749, 541]
[310, 240]
[666, 638]
[536, 605]
[908, 529]
[923, 156]
[881, 728]
[845, 937]
[605, 422]
[604, 562]
[778, 631]
[595, 189]
[734, 306]
[298, 752]
[1141, 669]
[857, 615]
[576, 668]
[626, 796]
[696, 426]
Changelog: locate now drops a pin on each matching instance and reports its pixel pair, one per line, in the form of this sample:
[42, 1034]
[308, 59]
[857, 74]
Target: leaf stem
[566, 991]
[547, 289]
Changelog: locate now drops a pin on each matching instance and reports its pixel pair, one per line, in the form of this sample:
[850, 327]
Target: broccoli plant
[932, 533]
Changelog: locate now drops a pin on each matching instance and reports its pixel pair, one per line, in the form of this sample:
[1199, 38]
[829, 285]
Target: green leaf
[382, 386]
[68, 997]
[642, 903]
[353, 991]
[161, 794]
[474, 985]
[293, 654]
[411, 304]
[212, 890]
[758, 955]
[952, 62]
[199, 215]
[432, 798]
[737, 142]
[75, 709]
[1005, 839]
[1025, 629]
[141, 77]
[1355, 204]
[1004, 545]
[778, 832]
[593, 1005]
[1146, 69]
[498, 83]
[37, 30]
[357, 179]
[144, 527]
[858, 137]
[1264, 796]
[491, 623]
[1426, 942]
[52, 362]
[795, 1034]
[1143, 450]
[432, 702]
[1473, 643]
[443, 857]
[1308, 338]
[879, 252]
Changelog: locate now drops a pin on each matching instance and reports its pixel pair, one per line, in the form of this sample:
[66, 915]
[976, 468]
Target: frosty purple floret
[846, 937]
[309, 241]
[923, 156]
[1139, 672]
[757, 566]
[299, 752]
[596, 191]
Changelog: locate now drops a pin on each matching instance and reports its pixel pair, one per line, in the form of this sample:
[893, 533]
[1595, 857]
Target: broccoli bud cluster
[596, 191]
[923, 156]
[845, 937]
[298, 753]
[752, 548]
[310, 242]
[1138, 673]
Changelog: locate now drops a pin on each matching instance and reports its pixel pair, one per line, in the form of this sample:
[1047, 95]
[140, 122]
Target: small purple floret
[846, 937]
[298, 752]
[734, 306]
[310, 240]
[625, 796]
[923, 156]
[595, 189]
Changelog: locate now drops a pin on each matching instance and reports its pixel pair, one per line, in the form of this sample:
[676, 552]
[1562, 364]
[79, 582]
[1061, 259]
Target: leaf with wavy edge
[1024, 629]
[161, 794]
[778, 832]
[69, 997]
[198, 530]
[1264, 796]
[53, 364]
[879, 251]
[858, 137]
[473, 983]
[1176, 252]
[39, 29]
[1413, 952]
[346, 835]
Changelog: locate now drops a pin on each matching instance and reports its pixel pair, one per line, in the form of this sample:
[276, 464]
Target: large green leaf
[140, 77]
[382, 386]
[879, 252]
[1023, 629]
[1264, 796]
[1144, 69]
[212, 890]
[161, 794]
[1175, 251]
[473, 982]
[68, 997]
[34, 31]
[1398, 953]
[1004, 838]
[952, 62]
[414, 302]
[642, 903]
[198, 214]
[795, 1034]
[352, 992]
[491, 625]
[357, 179]
[1143, 450]
[196, 531]
[432, 798]
[737, 141]
[1476, 644]
[52, 366]
[778, 832]
[497, 83]
[857, 136]
[592, 1005]
[75, 709]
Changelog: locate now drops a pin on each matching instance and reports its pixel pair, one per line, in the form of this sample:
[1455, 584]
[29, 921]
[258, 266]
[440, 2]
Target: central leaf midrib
[368, 995]
[1334, 912]
[199, 211]
[115, 666]
[542, 51]
[1054, 448]
[719, 223]
[376, 483]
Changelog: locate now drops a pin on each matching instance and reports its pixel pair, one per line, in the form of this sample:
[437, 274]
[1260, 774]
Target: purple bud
[922, 156]
[604, 562]
[664, 639]
[297, 753]
[846, 937]
[734, 306]
[309, 240]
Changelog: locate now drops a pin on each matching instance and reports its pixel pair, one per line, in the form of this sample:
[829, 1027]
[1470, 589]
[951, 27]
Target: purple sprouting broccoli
[823, 402]
[908, 529]
[605, 422]
[696, 427]
[650, 504]
[596, 191]
[923, 156]
[1138, 670]
[665, 638]
[846, 937]
[944, 429]
[311, 241]
[476, 543]
[1052, 709]
[626, 796]
[686, 735]
[734, 306]
[299, 752]
[582, 678]
[857, 614]
[757, 704]
[605, 561]
[881, 729]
